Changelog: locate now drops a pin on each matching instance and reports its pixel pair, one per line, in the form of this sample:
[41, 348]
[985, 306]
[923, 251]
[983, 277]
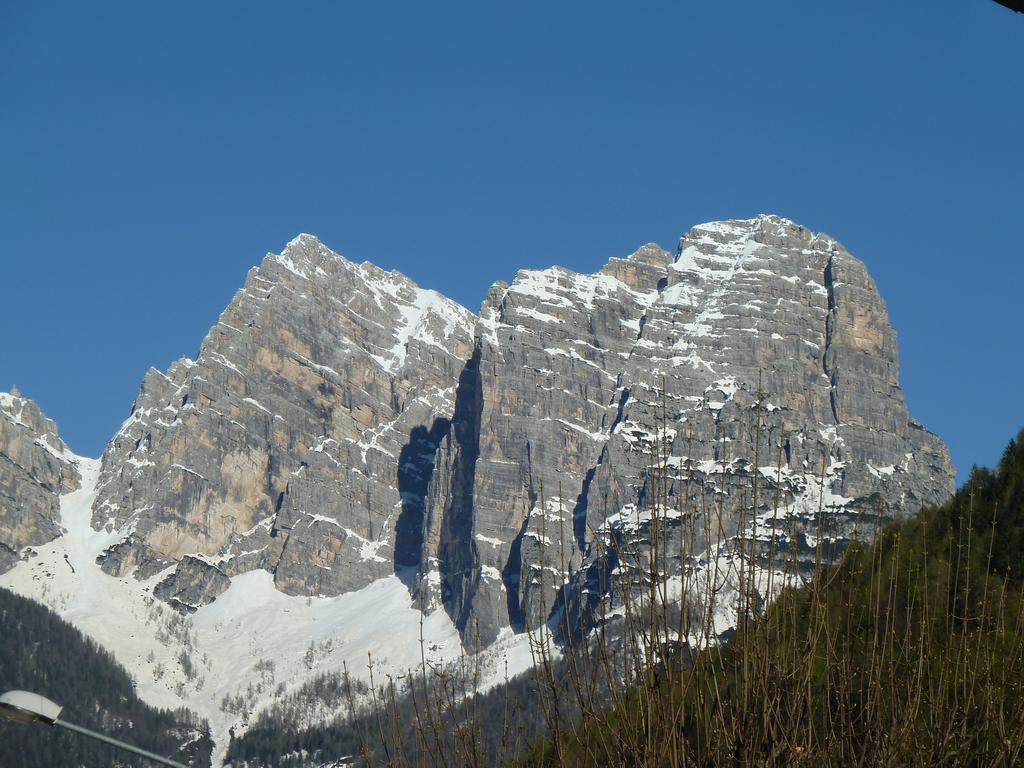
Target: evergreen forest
[41, 653]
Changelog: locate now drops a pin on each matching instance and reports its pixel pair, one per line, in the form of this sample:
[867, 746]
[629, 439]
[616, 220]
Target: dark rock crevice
[828, 358]
[457, 557]
[623, 399]
[415, 469]
[579, 512]
[511, 573]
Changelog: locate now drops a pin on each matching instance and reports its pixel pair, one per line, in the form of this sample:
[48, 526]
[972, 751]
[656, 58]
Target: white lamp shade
[25, 707]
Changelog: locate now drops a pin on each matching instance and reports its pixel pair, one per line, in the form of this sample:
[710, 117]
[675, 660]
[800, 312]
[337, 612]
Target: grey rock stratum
[35, 469]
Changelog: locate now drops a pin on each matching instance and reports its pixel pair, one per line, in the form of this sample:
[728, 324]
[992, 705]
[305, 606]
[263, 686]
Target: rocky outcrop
[194, 583]
[279, 447]
[36, 467]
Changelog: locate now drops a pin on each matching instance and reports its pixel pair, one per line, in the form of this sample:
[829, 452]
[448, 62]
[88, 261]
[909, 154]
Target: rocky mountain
[35, 469]
[345, 437]
[292, 442]
[758, 341]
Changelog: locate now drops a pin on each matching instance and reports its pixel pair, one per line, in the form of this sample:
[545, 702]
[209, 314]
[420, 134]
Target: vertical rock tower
[760, 350]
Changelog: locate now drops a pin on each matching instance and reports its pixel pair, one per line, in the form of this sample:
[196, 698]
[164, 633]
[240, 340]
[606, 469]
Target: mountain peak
[763, 222]
[302, 240]
[305, 256]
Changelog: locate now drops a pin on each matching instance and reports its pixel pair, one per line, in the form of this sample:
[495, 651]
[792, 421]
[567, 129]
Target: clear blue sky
[152, 153]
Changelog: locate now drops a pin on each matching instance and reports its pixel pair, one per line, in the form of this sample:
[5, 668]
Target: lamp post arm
[117, 743]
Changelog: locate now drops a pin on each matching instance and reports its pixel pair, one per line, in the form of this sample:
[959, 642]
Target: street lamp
[25, 707]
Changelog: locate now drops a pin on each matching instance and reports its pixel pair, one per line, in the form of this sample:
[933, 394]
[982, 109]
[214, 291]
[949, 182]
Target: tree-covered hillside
[40, 652]
[907, 652]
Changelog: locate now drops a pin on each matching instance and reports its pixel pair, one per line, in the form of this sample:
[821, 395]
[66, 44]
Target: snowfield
[253, 645]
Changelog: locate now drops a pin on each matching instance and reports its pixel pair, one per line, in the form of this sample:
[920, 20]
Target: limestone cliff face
[35, 469]
[281, 446]
[758, 350]
[340, 424]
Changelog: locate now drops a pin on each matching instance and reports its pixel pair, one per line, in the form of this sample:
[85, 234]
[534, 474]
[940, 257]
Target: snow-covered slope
[253, 645]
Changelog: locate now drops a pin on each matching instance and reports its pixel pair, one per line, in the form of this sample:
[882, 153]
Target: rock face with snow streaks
[340, 424]
[671, 376]
[278, 447]
[35, 468]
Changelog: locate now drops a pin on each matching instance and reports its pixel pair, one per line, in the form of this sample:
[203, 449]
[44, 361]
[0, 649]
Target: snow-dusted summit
[670, 375]
[279, 447]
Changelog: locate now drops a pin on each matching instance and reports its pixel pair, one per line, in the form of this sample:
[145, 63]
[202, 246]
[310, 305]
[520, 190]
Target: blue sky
[151, 153]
